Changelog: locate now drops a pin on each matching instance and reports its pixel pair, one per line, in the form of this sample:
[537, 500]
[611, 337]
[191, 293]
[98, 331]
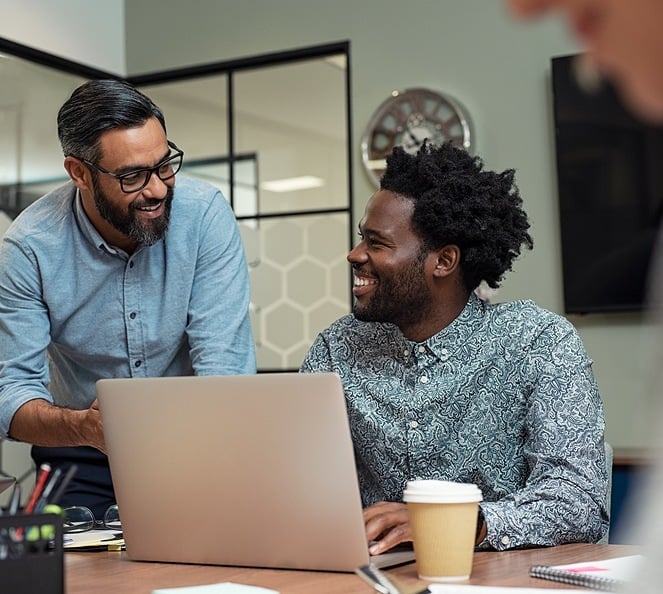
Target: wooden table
[100, 572]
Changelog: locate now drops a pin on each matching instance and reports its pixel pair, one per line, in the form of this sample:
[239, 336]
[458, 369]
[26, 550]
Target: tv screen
[610, 186]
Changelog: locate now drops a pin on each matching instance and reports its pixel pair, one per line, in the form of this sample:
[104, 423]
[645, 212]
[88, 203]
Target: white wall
[87, 31]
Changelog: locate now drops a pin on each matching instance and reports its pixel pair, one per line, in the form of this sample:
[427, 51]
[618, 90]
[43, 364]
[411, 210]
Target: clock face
[406, 119]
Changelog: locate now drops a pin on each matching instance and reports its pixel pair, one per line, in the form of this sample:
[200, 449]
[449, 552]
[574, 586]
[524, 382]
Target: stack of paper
[94, 539]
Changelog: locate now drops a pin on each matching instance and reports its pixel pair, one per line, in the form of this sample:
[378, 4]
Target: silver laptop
[250, 470]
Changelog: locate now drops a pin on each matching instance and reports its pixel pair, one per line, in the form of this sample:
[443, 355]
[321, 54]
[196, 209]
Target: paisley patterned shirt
[503, 397]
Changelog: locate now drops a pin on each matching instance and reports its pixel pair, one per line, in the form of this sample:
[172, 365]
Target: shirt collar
[446, 341]
[449, 339]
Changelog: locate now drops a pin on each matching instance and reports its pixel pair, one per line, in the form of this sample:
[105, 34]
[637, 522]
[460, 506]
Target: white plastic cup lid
[432, 491]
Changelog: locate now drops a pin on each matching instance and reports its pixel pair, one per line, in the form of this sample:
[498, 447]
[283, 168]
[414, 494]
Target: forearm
[563, 498]
[41, 423]
[516, 523]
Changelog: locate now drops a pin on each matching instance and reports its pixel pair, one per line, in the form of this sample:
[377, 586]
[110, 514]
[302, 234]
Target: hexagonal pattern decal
[300, 282]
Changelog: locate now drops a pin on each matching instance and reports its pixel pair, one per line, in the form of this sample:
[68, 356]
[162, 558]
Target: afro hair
[457, 202]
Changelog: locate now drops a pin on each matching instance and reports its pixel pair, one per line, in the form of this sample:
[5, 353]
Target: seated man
[442, 385]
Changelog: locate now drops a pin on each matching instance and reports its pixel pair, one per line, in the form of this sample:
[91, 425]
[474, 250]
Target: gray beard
[128, 224]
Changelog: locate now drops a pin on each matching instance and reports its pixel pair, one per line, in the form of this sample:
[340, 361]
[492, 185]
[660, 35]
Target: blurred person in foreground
[442, 385]
[624, 44]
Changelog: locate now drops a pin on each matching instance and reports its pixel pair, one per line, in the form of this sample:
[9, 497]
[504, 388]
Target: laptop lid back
[253, 470]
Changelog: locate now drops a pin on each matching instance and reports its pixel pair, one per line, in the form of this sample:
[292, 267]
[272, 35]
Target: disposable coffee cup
[443, 520]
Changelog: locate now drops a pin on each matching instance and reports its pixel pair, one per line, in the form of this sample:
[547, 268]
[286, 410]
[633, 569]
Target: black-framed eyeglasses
[79, 518]
[133, 181]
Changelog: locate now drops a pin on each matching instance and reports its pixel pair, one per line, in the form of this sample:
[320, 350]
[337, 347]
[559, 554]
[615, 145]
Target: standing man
[122, 272]
[441, 385]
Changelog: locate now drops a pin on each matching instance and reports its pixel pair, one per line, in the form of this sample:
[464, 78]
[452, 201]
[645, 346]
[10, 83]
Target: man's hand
[41, 423]
[386, 523]
[91, 428]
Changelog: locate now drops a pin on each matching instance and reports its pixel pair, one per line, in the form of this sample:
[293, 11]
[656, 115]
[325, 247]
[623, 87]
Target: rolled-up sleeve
[24, 333]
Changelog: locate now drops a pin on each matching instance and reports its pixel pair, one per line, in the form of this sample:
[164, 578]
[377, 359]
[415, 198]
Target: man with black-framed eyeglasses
[122, 272]
[135, 180]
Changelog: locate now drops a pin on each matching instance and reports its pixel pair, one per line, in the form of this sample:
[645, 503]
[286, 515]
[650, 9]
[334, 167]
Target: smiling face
[389, 265]
[127, 220]
[623, 39]
[143, 221]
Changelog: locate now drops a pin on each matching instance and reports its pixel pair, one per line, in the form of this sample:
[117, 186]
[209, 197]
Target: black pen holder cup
[31, 554]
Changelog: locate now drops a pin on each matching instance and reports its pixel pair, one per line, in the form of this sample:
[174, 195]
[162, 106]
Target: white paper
[222, 588]
[90, 538]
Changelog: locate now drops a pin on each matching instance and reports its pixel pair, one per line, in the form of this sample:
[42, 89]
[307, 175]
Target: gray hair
[96, 107]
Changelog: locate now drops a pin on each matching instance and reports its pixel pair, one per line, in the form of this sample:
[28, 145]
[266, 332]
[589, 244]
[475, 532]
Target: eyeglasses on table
[79, 518]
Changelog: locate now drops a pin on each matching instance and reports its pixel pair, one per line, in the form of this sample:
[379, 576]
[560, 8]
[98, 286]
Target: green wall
[471, 49]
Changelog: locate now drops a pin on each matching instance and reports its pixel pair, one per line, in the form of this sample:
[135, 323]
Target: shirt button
[138, 363]
[444, 351]
[414, 424]
[505, 540]
[131, 264]
[422, 348]
[406, 352]
[132, 315]
[423, 379]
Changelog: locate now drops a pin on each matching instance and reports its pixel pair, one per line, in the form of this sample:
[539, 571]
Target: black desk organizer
[31, 554]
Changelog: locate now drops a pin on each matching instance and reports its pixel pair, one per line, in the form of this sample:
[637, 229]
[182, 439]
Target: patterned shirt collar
[447, 340]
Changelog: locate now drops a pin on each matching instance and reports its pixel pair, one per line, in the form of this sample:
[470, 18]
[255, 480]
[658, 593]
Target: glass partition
[271, 132]
[196, 112]
[30, 154]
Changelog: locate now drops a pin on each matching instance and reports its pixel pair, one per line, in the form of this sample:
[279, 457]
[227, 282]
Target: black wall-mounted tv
[610, 187]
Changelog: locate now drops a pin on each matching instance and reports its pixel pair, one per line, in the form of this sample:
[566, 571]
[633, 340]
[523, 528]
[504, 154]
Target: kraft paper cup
[443, 520]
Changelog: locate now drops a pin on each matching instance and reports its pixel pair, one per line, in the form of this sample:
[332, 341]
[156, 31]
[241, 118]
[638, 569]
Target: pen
[13, 510]
[3, 541]
[15, 500]
[71, 471]
[44, 471]
[46, 493]
[379, 580]
[367, 575]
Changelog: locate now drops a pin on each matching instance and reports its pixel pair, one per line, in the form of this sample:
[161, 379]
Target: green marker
[48, 530]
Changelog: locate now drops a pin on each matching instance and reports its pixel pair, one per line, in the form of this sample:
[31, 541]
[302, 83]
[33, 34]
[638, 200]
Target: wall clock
[408, 117]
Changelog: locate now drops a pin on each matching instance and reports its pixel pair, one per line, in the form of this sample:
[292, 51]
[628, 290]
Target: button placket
[134, 327]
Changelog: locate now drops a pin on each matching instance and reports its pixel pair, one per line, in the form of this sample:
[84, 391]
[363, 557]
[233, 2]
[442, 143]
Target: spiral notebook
[611, 575]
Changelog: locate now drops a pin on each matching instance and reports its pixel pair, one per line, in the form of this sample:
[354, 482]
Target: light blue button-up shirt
[503, 397]
[74, 309]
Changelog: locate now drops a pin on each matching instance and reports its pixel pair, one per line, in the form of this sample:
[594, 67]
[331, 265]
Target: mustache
[359, 268]
[147, 202]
